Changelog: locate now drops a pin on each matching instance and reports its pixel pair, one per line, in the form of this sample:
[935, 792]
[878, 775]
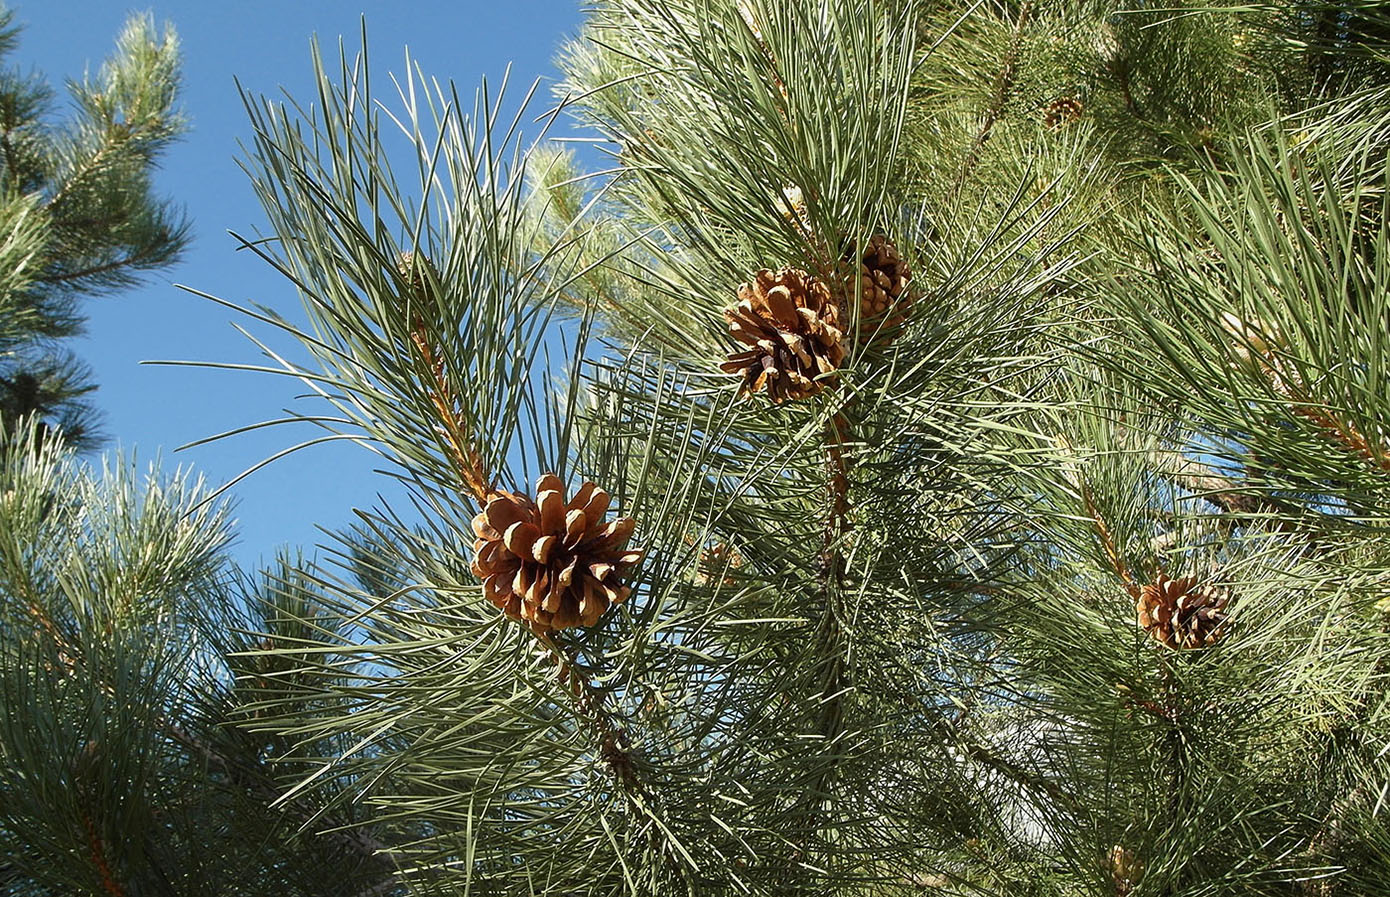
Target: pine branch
[834, 670]
[1002, 86]
[255, 782]
[353, 839]
[1107, 540]
[98, 855]
[141, 256]
[1177, 757]
[1019, 775]
[608, 733]
[1221, 491]
[468, 462]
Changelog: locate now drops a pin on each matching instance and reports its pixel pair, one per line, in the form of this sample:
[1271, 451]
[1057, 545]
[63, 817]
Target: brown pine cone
[1062, 111]
[1125, 870]
[883, 277]
[551, 563]
[792, 324]
[1181, 614]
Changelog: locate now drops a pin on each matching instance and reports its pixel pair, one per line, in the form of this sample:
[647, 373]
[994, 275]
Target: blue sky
[154, 409]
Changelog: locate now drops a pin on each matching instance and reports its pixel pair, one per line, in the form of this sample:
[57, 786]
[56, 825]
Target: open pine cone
[1181, 614]
[551, 563]
[792, 324]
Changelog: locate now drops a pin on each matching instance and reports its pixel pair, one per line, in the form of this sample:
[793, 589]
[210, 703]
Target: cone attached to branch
[791, 323]
[883, 276]
[1181, 614]
[417, 271]
[1062, 111]
[793, 209]
[550, 562]
[1125, 870]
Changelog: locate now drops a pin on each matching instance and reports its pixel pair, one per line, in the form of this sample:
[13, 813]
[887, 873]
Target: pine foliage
[1063, 574]
[79, 215]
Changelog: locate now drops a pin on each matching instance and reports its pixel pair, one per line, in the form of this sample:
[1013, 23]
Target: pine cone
[792, 324]
[1180, 614]
[793, 209]
[883, 277]
[1062, 111]
[1124, 870]
[717, 564]
[551, 563]
[413, 268]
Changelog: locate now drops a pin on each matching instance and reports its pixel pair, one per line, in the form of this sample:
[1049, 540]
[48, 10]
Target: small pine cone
[1062, 111]
[413, 269]
[793, 209]
[1181, 614]
[1260, 346]
[717, 563]
[792, 324]
[883, 277]
[1251, 334]
[551, 563]
[1124, 870]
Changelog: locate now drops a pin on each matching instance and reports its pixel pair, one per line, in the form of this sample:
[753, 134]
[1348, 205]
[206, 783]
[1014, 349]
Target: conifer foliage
[944, 452]
[78, 214]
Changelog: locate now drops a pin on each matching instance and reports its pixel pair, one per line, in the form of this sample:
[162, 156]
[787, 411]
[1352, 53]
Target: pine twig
[1107, 541]
[1003, 84]
[1344, 434]
[755, 29]
[1289, 385]
[125, 261]
[355, 841]
[1207, 484]
[1019, 776]
[467, 460]
[612, 740]
[836, 682]
[98, 855]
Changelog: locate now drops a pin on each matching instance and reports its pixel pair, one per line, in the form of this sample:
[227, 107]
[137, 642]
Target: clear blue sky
[265, 45]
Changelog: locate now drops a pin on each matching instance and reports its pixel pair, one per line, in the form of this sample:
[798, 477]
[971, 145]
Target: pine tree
[78, 214]
[124, 659]
[944, 452]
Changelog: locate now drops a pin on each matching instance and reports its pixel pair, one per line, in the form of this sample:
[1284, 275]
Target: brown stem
[1126, 90]
[608, 732]
[1225, 493]
[771, 59]
[612, 743]
[1002, 86]
[1289, 385]
[835, 673]
[1342, 433]
[98, 854]
[467, 461]
[1177, 757]
[48, 626]
[1107, 542]
[84, 169]
[1016, 774]
[1212, 487]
